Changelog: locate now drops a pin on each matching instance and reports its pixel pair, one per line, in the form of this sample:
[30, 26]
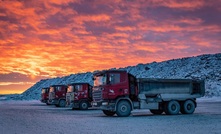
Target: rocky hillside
[206, 67]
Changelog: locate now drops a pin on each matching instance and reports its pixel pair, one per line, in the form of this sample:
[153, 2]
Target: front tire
[188, 107]
[83, 105]
[123, 108]
[172, 108]
[109, 113]
[62, 103]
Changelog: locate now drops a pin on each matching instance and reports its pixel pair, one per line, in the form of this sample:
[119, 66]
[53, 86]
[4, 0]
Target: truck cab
[57, 95]
[44, 95]
[79, 96]
[113, 84]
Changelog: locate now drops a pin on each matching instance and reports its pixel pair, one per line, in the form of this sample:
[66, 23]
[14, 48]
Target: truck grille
[51, 95]
[68, 99]
[97, 95]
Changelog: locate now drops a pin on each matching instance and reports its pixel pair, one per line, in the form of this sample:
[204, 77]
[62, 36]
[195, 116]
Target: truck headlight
[104, 103]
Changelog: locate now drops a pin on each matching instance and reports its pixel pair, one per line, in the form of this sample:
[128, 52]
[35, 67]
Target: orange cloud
[191, 21]
[62, 2]
[15, 83]
[185, 4]
[148, 47]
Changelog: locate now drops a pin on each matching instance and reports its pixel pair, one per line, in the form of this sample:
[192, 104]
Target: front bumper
[104, 105]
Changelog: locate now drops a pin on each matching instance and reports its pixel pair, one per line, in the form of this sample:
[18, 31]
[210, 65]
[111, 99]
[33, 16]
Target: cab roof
[79, 83]
[109, 71]
[58, 85]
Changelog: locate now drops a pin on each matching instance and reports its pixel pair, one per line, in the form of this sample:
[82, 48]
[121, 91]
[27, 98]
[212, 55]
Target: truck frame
[119, 92]
[79, 96]
[57, 95]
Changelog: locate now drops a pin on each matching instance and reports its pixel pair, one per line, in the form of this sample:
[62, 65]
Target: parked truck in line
[79, 96]
[57, 95]
[44, 95]
[119, 92]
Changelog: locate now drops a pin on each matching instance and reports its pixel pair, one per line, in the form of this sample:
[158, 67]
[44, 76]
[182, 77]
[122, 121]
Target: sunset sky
[48, 38]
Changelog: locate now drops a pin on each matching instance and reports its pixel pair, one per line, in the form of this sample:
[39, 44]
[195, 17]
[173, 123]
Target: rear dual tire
[187, 107]
[172, 107]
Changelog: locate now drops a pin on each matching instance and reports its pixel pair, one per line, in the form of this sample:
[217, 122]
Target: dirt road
[37, 118]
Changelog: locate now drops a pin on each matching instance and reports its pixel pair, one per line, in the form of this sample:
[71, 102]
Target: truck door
[117, 85]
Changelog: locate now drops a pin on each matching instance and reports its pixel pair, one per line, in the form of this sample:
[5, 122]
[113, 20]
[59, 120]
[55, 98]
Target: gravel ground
[35, 117]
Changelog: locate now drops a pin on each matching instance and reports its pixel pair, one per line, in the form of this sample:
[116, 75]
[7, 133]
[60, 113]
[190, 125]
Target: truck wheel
[158, 112]
[62, 103]
[108, 113]
[188, 107]
[123, 108]
[83, 105]
[172, 108]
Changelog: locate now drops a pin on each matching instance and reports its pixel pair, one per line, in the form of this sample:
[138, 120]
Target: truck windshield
[51, 89]
[100, 80]
[70, 89]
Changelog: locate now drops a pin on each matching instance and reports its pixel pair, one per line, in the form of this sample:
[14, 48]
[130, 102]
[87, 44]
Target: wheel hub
[173, 107]
[84, 105]
[123, 108]
[189, 106]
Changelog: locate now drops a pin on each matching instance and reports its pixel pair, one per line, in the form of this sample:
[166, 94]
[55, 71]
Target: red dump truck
[119, 92]
[57, 95]
[79, 96]
[44, 95]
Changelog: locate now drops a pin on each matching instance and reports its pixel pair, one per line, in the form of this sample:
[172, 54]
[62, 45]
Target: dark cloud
[208, 15]
[98, 30]
[91, 7]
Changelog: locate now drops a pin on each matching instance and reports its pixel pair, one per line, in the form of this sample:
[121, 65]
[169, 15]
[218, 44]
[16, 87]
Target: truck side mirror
[111, 79]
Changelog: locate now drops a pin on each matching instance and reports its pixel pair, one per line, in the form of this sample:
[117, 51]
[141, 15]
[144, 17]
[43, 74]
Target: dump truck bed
[151, 87]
